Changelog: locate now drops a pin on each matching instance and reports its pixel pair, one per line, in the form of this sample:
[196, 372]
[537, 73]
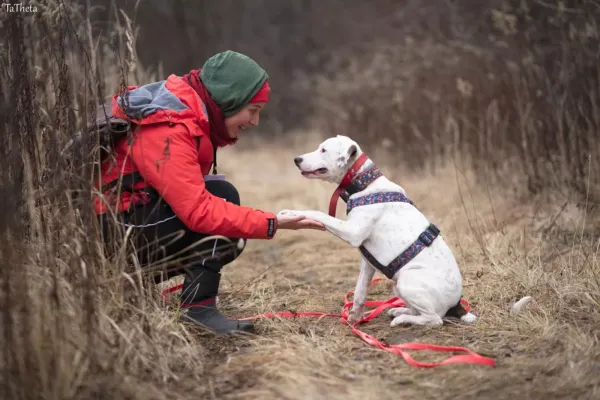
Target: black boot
[200, 288]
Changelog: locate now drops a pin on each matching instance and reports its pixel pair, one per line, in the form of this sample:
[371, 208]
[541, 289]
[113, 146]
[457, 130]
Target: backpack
[109, 128]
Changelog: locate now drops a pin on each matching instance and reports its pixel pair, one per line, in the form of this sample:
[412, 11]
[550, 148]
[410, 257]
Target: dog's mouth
[319, 171]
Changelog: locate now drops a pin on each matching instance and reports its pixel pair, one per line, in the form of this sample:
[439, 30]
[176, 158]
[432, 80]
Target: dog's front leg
[354, 231]
[361, 291]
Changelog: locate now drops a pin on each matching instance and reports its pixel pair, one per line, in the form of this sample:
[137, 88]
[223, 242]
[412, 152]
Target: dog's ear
[352, 150]
[348, 157]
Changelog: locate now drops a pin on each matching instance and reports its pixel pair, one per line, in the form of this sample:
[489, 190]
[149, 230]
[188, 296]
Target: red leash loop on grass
[468, 356]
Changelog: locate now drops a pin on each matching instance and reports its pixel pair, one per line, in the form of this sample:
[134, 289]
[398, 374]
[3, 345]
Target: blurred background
[505, 91]
[512, 84]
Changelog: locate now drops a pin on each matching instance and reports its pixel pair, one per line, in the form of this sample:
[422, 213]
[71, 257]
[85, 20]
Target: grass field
[77, 325]
[81, 328]
[549, 351]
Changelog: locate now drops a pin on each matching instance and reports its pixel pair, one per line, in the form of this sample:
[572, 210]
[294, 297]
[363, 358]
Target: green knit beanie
[232, 79]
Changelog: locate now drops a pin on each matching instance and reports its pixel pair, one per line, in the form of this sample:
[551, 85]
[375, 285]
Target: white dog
[392, 234]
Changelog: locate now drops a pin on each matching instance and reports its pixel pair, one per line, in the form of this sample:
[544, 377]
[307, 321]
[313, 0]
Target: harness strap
[377, 198]
[361, 182]
[424, 240]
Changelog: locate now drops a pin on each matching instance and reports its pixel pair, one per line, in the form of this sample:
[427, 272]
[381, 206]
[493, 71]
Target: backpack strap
[215, 161]
[127, 182]
[214, 168]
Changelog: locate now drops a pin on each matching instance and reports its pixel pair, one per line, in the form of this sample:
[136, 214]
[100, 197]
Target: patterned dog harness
[424, 240]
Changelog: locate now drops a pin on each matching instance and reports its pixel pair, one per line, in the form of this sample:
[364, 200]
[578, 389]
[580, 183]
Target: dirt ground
[506, 249]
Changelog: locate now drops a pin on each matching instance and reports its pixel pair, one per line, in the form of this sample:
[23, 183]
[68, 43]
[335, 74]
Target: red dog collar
[346, 181]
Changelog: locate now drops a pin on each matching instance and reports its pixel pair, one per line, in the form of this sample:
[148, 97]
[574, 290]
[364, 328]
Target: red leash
[469, 357]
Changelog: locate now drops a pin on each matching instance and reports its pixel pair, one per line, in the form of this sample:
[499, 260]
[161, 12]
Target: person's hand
[297, 222]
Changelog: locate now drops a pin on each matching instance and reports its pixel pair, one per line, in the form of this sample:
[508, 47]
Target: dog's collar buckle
[429, 235]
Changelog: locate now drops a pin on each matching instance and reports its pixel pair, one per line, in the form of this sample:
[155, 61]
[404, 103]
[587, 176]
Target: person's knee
[224, 190]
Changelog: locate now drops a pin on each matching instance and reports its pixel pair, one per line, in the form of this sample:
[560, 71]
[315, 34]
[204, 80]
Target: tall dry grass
[513, 85]
[78, 323]
[75, 324]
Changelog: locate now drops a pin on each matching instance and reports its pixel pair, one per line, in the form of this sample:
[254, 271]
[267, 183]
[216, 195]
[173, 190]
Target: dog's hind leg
[420, 311]
[416, 292]
[397, 311]
[427, 319]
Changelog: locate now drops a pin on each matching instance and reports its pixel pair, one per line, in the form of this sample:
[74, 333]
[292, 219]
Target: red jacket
[172, 151]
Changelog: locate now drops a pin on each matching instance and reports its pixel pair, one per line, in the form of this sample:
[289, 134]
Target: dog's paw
[355, 316]
[288, 213]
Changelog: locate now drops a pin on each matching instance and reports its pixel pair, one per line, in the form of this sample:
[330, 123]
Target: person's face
[247, 116]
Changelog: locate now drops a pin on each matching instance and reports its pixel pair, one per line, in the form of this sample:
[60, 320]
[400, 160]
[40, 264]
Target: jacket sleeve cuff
[271, 227]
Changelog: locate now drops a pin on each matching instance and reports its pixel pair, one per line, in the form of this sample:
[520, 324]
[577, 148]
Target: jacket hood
[170, 100]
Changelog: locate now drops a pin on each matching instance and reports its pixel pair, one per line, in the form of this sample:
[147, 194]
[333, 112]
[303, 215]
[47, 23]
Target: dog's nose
[298, 160]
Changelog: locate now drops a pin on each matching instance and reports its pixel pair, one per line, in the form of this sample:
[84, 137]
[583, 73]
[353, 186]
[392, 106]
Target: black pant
[158, 234]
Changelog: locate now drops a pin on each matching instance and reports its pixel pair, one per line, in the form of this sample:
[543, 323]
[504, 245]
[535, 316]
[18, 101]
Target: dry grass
[551, 350]
[75, 324]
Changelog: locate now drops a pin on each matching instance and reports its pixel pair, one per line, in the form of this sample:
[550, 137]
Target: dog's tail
[458, 311]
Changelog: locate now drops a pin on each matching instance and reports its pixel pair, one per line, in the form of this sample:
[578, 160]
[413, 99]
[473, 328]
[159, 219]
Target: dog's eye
[323, 150]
